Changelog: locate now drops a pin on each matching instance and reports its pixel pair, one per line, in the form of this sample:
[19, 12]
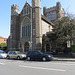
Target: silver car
[15, 55]
[2, 54]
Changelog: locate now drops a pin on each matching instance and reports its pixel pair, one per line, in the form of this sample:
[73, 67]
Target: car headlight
[49, 56]
[23, 55]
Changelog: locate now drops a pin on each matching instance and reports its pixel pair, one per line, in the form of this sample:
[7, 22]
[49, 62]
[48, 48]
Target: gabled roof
[46, 20]
[2, 37]
[42, 16]
[26, 4]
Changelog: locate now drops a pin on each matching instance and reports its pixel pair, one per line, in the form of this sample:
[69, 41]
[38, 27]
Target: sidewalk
[63, 59]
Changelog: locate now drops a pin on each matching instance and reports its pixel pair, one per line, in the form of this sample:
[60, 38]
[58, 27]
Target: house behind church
[54, 13]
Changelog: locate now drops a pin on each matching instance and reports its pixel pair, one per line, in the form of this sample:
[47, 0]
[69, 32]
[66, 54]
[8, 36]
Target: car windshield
[40, 53]
[18, 52]
[2, 52]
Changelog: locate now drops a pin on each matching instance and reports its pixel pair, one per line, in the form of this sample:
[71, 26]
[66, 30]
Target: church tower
[36, 25]
[14, 27]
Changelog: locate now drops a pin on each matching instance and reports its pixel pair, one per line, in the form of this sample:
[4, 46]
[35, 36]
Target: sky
[5, 11]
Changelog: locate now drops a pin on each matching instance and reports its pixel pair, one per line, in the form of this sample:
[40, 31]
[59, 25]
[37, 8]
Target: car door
[14, 55]
[10, 54]
[36, 56]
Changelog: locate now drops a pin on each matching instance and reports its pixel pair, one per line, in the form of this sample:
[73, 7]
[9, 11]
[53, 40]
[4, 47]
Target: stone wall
[46, 27]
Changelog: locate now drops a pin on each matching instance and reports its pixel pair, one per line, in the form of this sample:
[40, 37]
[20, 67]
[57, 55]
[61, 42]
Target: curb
[57, 59]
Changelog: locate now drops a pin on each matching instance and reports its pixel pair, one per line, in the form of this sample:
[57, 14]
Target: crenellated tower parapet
[14, 10]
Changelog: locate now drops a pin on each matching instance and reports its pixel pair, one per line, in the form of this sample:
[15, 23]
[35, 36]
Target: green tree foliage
[64, 29]
[73, 48]
[3, 45]
[52, 38]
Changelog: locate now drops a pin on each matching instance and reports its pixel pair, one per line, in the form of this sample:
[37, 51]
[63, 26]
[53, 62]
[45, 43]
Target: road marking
[42, 68]
[2, 63]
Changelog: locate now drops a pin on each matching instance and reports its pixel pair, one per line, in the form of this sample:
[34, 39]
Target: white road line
[2, 63]
[42, 68]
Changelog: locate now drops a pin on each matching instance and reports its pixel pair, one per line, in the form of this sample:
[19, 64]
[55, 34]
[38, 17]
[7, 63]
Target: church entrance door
[26, 47]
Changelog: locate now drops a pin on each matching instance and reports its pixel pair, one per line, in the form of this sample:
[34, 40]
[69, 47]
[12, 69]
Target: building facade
[54, 13]
[28, 27]
[3, 40]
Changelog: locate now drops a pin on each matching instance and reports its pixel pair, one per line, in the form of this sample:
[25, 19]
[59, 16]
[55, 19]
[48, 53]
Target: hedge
[3, 45]
[73, 48]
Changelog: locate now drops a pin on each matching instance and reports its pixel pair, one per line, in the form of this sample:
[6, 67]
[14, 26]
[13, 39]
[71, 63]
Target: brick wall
[3, 40]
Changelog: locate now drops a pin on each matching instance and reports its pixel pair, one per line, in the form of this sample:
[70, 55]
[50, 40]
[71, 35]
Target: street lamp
[30, 45]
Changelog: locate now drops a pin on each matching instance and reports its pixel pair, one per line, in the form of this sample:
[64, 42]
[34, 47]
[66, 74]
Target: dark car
[36, 55]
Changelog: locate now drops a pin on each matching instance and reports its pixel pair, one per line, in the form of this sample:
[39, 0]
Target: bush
[3, 45]
[73, 48]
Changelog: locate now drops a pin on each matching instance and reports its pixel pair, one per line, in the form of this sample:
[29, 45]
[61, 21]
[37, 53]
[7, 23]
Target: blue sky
[5, 11]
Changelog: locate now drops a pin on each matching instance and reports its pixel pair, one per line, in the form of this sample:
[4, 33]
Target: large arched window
[26, 27]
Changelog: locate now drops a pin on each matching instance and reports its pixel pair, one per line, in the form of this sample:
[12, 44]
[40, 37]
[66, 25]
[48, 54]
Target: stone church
[28, 27]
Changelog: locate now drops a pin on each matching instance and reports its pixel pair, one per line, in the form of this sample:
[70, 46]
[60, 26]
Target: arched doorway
[26, 47]
[47, 47]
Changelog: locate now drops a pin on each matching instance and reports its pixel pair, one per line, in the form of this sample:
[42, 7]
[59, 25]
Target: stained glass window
[26, 28]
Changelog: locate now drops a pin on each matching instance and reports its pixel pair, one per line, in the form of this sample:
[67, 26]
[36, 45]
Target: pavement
[63, 59]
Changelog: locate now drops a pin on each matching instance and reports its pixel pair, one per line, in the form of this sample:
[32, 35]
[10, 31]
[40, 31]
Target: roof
[24, 6]
[46, 20]
[42, 16]
[2, 37]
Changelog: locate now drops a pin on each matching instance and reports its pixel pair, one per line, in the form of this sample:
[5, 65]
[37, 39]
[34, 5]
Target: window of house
[54, 16]
[51, 17]
[4, 39]
[48, 16]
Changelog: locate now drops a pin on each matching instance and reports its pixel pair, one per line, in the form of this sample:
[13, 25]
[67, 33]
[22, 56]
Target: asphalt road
[22, 67]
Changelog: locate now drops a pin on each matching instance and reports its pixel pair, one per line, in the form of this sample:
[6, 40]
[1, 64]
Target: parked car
[36, 55]
[2, 54]
[15, 55]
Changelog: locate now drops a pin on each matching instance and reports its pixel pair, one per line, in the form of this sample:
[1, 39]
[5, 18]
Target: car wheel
[28, 58]
[8, 57]
[18, 58]
[44, 59]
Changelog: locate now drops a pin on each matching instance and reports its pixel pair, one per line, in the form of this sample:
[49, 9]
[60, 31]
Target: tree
[3, 46]
[52, 39]
[65, 30]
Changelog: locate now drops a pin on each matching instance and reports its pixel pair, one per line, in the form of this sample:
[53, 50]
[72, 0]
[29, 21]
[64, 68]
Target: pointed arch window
[26, 27]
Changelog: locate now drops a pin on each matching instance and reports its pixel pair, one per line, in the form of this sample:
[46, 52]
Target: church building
[28, 27]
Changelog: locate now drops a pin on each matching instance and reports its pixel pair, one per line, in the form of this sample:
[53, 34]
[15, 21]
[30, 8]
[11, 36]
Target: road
[22, 67]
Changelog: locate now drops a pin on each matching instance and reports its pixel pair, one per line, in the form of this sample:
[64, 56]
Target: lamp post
[31, 32]
[30, 45]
